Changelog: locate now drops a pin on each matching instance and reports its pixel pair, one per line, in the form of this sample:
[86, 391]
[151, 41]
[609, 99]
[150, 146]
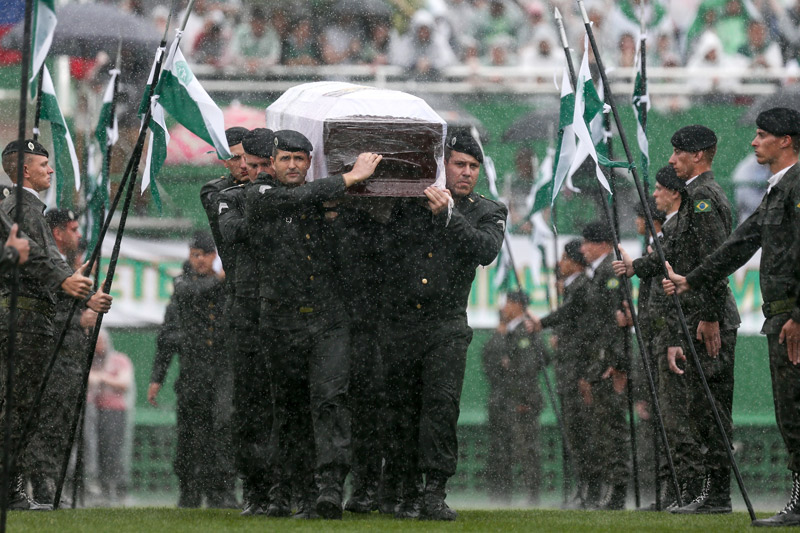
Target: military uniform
[427, 336]
[515, 404]
[190, 330]
[304, 330]
[703, 222]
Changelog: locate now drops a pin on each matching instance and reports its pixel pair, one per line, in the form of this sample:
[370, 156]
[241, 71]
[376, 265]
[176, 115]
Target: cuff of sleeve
[796, 314]
[11, 254]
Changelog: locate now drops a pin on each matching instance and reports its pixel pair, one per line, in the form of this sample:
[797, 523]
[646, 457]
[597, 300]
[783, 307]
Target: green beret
[202, 240]
[258, 142]
[573, 251]
[235, 135]
[598, 232]
[29, 146]
[779, 121]
[694, 138]
[59, 217]
[465, 143]
[668, 179]
[292, 141]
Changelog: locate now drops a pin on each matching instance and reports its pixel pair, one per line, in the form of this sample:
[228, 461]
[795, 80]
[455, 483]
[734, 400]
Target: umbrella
[363, 8]
[538, 124]
[786, 98]
[83, 30]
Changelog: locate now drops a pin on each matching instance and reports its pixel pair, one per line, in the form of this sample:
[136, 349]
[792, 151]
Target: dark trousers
[425, 363]
[786, 396]
[195, 454]
[610, 435]
[576, 418]
[309, 359]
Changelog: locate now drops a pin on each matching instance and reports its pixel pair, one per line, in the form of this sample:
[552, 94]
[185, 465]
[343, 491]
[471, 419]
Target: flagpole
[38, 115]
[111, 121]
[660, 251]
[132, 171]
[14, 293]
[634, 316]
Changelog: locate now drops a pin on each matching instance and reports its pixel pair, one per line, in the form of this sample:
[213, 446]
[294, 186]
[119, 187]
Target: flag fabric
[145, 103]
[96, 198]
[641, 103]
[108, 135]
[504, 279]
[44, 26]
[565, 149]
[62, 141]
[542, 190]
[156, 149]
[181, 94]
[586, 102]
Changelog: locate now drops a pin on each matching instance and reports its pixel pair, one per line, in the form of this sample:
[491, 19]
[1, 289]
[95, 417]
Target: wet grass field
[149, 520]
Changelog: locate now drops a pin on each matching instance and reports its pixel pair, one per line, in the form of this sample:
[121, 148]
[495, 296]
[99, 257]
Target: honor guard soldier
[304, 326]
[434, 249]
[252, 399]
[703, 222]
[37, 297]
[775, 229]
[190, 329]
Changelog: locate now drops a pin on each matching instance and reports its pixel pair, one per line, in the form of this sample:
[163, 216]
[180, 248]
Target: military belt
[778, 307]
[31, 304]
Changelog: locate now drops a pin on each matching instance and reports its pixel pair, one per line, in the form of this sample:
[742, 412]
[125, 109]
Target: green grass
[180, 520]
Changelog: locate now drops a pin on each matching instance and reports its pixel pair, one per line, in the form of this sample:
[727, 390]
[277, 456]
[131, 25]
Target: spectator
[626, 15]
[499, 20]
[750, 182]
[255, 44]
[786, 23]
[377, 48]
[665, 51]
[538, 24]
[627, 50]
[543, 52]
[501, 51]
[710, 55]
[159, 16]
[758, 52]
[341, 41]
[209, 45]
[302, 47]
[463, 15]
[112, 394]
[727, 19]
[517, 187]
[422, 51]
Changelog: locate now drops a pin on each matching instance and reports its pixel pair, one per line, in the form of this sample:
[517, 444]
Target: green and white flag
[66, 172]
[641, 104]
[145, 103]
[541, 193]
[587, 106]
[107, 135]
[181, 94]
[156, 148]
[44, 26]
[565, 149]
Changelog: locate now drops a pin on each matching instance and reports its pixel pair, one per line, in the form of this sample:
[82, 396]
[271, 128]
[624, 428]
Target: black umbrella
[786, 98]
[538, 124]
[83, 30]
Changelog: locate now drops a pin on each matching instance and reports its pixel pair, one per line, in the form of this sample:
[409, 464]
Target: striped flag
[156, 148]
[62, 141]
[107, 136]
[641, 104]
[565, 149]
[44, 26]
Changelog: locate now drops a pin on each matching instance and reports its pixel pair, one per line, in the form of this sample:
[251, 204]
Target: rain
[510, 263]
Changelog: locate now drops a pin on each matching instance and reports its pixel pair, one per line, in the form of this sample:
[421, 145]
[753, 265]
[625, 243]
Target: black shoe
[790, 515]
[279, 501]
[433, 504]
[715, 497]
[329, 501]
[306, 510]
[362, 500]
[43, 488]
[221, 499]
[253, 509]
[613, 498]
[18, 500]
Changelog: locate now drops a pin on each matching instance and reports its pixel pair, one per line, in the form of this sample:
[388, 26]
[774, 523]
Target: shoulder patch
[502, 224]
[524, 342]
[797, 206]
[263, 188]
[222, 207]
[702, 206]
[612, 283]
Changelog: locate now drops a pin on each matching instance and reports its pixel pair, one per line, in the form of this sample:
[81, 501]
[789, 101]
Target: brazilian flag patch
[702, 206]
[524, 343]
[797, 206]
[613, 283]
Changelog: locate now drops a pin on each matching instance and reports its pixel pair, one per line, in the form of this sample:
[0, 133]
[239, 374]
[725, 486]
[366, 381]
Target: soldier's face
[202, 262]
[68, 237]
[37, 172]
[234, 164]
[684, 163]
[593, 250]
[767, 146]
[461, 172]
[256, 165]
[665, 198]
[291, 167]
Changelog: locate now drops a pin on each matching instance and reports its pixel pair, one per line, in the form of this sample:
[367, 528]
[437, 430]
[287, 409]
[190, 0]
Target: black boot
[18, 500]
[307, 508]
[280, 498]
[388, 493]
[613, 498]
[790, 515]
[329, 501]
[43, 489]
[698, 501]
[364, 498]
[433, 504]
[667, 497]
[410, 504]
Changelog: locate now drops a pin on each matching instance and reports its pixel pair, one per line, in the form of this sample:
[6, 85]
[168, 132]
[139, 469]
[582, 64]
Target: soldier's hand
[100, 302]
[77, 285]
[152, 393]
[619, 379]
[505, 362]
[22, 246]
[88, 319]
[709, 332]
[585, 388]
[674, 354]
[675, 282]
[625, 266]
[438, 199]
[790, 334]
[362, 169]
[533, 324]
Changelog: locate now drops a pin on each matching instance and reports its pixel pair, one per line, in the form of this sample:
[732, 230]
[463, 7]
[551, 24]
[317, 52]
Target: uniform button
[303, 217]
[424, 281]
[311, 278]
[211, 306]
[209, 342]
[210, 328]
[419, 306]
[211, 317]
[308, 257]
[308, 236]
[430, 254]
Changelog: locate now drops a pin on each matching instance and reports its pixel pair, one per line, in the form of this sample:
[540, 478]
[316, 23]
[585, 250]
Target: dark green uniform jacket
[606, 339]
[208, 197]
[573, 338]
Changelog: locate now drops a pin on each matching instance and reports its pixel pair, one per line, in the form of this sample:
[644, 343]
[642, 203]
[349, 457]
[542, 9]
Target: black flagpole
[634, 315]
[37, 117]
[14, 295]
[660, 251]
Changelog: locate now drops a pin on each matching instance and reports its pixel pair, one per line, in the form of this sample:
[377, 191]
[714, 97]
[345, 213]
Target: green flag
[44, 26]
[67, 170]
[641, 103]
[565, 148]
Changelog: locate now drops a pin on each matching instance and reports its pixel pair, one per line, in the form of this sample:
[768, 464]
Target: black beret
[520, 297]
[779, 121]
[668, 178]
[598, 232]
[202, 240]
[292, 141]
[29, 146]
[59, 217]
[694, 138]
[464, 142]
[658, 215]
[573, 252]
[235, 135]
[258, 142]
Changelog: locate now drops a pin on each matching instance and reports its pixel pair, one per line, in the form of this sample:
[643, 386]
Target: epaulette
[237, 186]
